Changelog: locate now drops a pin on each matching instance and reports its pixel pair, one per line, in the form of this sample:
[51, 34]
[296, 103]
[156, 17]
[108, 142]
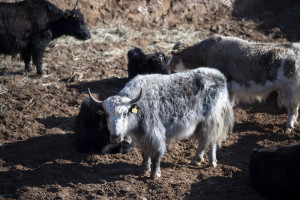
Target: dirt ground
[38, 159]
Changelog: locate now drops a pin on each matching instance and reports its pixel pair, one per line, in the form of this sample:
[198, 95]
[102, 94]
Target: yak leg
[292, 117]
[158, 151]
[27, 59]
[199, 156]
[155, 171]
[39, 49]
[213, 154]
[146, 163]
[37, 58]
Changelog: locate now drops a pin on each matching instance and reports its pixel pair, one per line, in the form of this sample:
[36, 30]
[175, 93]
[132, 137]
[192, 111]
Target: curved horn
[93, 98]
[136, 99]
[75, 7]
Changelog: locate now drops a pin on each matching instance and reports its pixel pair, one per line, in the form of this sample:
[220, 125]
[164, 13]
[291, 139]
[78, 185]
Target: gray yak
[253, 70]
[156, 108]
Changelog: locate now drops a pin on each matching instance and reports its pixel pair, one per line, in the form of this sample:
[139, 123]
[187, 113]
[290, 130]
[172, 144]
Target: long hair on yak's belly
[92, 132]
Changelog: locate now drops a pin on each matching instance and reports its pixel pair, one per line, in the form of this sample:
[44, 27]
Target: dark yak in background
[275, 171]
[92, 131]
[140, 63]
[27, 28]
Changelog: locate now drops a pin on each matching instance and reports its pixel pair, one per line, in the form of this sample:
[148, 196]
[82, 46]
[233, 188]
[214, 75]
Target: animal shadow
[52, 159]
[64, 123]
[104, 87]
[274, 17]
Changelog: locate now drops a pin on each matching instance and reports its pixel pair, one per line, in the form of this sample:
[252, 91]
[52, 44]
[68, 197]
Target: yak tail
[226, 125]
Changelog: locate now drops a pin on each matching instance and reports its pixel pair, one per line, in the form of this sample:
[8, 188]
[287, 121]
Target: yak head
[119, 111]
[175, 63]
[158, 62]
[75, 25]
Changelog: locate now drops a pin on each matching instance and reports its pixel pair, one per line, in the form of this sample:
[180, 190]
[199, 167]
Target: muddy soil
[38, 159]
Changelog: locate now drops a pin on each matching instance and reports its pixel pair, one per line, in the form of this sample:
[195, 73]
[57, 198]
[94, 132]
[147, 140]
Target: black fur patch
[140, 63]
[289, 67]
[92, 131]
[270, 62]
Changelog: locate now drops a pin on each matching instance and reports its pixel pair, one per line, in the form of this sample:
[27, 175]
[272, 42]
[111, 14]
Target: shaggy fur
[275, 171]
[92, 132]
[253, 70]
[171, 107]
[27, 27]
[140, 63]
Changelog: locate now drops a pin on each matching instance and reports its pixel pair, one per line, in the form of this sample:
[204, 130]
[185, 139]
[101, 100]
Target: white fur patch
[296, 45]
[180, 67]
[251, 92]
[115, 107]
[183, 132]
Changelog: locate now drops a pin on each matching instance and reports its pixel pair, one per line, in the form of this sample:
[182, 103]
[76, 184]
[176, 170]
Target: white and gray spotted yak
[253, 70]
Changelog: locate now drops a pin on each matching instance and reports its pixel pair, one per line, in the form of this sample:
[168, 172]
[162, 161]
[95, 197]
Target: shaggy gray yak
[156, 108]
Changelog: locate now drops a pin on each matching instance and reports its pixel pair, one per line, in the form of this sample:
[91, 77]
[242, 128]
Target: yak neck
[59, 28]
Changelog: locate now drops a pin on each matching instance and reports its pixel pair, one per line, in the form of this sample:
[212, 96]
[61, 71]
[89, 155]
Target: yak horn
[136, 99]
[75, 8]
[93, 98]
[73, 12]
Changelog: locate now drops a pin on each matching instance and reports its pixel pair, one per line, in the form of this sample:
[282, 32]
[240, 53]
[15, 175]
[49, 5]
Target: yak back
[236, 58]
[178, 98]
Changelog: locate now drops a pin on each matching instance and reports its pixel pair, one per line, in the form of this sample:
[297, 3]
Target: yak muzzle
[116, 139]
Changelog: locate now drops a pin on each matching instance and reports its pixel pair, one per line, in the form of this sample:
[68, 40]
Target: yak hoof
[214, 164]
[28, 68]
[196, 163]
[155, 175]
[145, 172]
[288, 130]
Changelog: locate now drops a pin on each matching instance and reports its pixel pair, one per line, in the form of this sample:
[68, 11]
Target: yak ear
[176, 52]
[67, 14]
[134, 109]
[94, 99]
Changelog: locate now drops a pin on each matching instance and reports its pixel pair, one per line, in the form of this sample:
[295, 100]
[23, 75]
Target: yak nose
[89, 35]
[127, 141]
[115, 139]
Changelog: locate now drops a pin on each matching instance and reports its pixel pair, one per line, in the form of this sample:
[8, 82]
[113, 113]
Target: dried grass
[87, 55]
[164, 40]
[3, 89]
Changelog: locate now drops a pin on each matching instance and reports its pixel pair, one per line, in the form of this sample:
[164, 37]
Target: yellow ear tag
[100, 112]
[134, 110]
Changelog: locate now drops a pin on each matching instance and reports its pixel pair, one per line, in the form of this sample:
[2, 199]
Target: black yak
[275, 171]
[28, 26]
[140, 63]
[92, 132]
